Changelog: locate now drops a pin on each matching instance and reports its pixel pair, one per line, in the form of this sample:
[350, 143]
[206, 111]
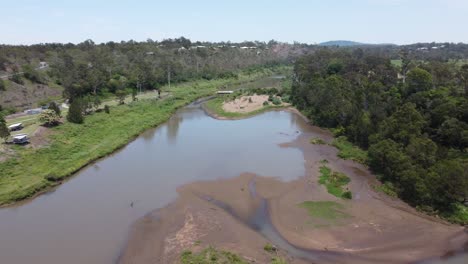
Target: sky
[305, 21]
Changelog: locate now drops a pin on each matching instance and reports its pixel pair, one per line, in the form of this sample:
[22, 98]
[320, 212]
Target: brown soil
[380, 230]
[246, 104]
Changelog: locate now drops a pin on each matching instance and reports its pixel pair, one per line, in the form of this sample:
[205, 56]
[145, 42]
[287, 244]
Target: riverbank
[370, 228]
[70, 147]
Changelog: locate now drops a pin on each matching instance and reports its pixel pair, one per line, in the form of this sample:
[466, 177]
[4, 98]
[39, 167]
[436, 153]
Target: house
[43, 64]
[21, 139]
[15, 127]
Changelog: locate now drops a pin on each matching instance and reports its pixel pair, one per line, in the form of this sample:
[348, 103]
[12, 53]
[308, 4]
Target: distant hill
[348, 43]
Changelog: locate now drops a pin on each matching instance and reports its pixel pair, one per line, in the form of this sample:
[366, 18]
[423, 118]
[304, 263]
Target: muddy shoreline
[381, 229]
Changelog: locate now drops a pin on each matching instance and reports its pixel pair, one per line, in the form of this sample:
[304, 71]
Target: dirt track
[380, 229]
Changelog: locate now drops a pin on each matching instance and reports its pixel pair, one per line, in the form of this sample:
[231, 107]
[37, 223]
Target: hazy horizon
[367, 21]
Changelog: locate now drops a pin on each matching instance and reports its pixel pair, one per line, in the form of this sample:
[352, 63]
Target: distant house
[21, 139]
[43, 65]
[15, 127]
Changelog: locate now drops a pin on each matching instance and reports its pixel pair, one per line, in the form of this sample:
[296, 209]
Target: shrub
[4, 131]
[2, 85]
[121, 94]
[107, 109]
[276, 101]
[270, 248]
[49, 117]
[265, 103]
[53, 106]
[347, 195]
[75, 114]
[317, 141]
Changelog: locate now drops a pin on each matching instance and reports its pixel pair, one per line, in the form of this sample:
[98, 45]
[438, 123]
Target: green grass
[269, 248]
[74, 146]
[326, 210]
[397, 63]
[349, 151]
[215, 106]
[317, 141]
[211, 255]
[278, 260]
[334, 182]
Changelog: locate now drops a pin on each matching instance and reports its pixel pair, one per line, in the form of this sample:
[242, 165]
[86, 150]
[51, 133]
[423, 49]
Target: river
[87, 219]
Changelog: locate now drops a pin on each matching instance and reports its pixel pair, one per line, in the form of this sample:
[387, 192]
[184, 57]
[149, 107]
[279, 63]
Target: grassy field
[326, 210]
[73, 146]
[334, 181]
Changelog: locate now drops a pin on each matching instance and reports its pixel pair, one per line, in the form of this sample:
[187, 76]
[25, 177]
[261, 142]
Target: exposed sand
[246, 104]
[381, 229]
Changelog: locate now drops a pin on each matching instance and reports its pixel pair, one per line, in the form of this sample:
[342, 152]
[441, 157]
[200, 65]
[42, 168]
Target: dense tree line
[90, 68]
[413, 119]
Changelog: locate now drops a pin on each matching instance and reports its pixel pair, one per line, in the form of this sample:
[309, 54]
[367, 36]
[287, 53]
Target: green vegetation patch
[278, 260]
[349, 151]
[459, 214]
[334, 181]
[317, 141]
[326, 210]
[270, 248]
[387, 188]
[211, 255]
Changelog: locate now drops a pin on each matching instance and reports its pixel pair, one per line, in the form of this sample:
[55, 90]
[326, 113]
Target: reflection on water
[86, 220]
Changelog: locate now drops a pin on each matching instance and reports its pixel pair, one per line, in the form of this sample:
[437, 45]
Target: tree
[464, 77]
[75, 112]
[418, 80]
[97, 102]
[450, 183]
[49, 117]
[422, 150]
[134, 95]
[4, 131]
[121, 94]
[32, 74]
[53, 106]
[387, 157]
[454, 133]
[405, 123]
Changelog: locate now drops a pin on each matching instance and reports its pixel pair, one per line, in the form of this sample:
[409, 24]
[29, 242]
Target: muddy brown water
[87, 219]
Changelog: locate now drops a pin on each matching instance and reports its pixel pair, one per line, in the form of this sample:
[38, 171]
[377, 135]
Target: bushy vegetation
[270, 248]
[49, 117]
[211, 255]
[415, 128]
[334, 182]
[4, 131]
[349, 151]
[317, 141]
[387, 188]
